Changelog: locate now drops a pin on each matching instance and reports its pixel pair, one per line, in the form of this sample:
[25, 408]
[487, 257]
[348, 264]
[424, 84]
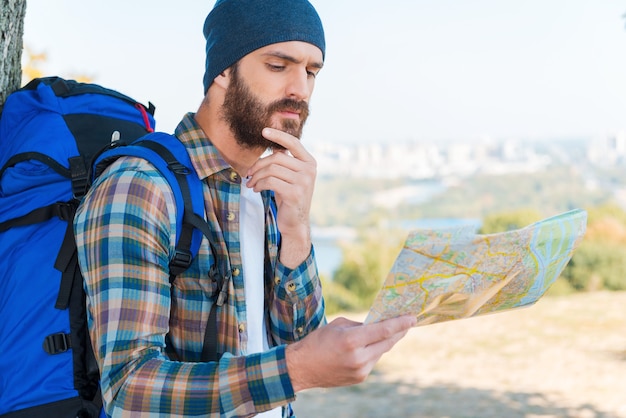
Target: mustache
[291, 105]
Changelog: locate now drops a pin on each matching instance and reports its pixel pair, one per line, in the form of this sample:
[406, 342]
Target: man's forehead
[294, 51]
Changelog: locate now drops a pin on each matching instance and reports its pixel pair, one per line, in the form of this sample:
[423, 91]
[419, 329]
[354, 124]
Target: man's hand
[290, 173]
[343, 352]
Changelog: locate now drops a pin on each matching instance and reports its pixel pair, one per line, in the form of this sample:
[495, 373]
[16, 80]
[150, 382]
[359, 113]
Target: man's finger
[289, 142]
[387, 329]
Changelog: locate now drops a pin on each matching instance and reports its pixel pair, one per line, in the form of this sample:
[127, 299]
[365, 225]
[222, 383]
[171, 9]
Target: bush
[508, 221]
[597, 265]
[366, 263]
[338, 298]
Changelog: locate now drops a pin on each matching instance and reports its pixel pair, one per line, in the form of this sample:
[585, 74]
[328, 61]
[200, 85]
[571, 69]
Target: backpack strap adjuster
[65, 210]
[180, 261]
[178, 168]
[79, 175]
[57, 343]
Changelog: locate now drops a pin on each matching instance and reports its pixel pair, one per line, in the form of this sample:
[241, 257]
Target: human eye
[275, 67]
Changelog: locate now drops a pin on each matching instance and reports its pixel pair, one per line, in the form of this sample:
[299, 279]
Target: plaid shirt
[125, 232]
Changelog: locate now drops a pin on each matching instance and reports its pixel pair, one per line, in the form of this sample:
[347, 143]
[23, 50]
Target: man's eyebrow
[291, 59]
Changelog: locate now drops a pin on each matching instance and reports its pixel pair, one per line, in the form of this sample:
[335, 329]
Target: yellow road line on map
[467, 271]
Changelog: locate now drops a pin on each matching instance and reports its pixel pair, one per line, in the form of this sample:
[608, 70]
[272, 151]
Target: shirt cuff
[297, 284]
[267, 379]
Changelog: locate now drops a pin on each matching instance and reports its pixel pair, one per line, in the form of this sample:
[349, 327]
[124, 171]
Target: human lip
[290, 114]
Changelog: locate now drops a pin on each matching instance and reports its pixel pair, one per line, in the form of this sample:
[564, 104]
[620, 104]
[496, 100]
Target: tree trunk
[11, 31]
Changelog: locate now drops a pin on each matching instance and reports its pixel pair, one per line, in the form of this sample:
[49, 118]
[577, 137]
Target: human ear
[223, 79]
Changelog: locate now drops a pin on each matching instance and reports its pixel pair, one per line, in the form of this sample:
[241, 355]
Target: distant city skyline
[422, 160]
[395, 71]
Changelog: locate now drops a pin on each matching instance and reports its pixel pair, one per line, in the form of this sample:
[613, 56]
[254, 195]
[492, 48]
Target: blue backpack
[55, 136]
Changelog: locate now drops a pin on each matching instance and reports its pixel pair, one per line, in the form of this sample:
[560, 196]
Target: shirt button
[242, 328]
[236, 272]
[234, 176]
[230, 216]
[276, 280]
[291, 286]
[300, 330]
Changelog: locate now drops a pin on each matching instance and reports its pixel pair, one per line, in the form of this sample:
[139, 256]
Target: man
[262, 61]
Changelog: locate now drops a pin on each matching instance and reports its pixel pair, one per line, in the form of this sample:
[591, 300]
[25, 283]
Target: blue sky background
[395, 70]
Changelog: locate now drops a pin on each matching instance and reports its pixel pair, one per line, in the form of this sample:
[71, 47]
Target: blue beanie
[234, 28]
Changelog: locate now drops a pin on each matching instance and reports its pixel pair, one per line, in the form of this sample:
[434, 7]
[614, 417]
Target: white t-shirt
[252, 241]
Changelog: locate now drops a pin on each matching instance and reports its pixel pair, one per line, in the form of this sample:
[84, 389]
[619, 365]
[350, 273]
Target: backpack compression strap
[62, 210]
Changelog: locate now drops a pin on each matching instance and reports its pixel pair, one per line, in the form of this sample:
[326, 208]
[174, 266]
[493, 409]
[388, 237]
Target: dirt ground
[563, 357]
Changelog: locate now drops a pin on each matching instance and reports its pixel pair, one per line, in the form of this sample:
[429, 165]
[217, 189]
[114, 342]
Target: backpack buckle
[178, 168]
[65, 210]
[180, 262]
[80, 177]
[57, 343]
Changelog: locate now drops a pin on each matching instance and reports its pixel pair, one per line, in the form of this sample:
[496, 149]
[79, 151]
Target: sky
[398, 70]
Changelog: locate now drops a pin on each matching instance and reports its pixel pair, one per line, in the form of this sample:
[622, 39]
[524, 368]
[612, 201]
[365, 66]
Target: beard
[247, 115]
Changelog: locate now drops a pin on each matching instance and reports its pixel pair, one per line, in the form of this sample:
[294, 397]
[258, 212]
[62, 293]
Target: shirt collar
[205, 158]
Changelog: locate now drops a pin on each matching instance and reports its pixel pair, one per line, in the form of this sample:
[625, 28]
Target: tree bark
[12, 14]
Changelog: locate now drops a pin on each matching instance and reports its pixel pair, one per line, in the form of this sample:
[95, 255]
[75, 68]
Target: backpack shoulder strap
[169, 156]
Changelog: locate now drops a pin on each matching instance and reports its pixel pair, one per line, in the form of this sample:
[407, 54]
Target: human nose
[300, 86]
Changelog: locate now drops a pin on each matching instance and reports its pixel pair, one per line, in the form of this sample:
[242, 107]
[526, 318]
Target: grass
[563, 357]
